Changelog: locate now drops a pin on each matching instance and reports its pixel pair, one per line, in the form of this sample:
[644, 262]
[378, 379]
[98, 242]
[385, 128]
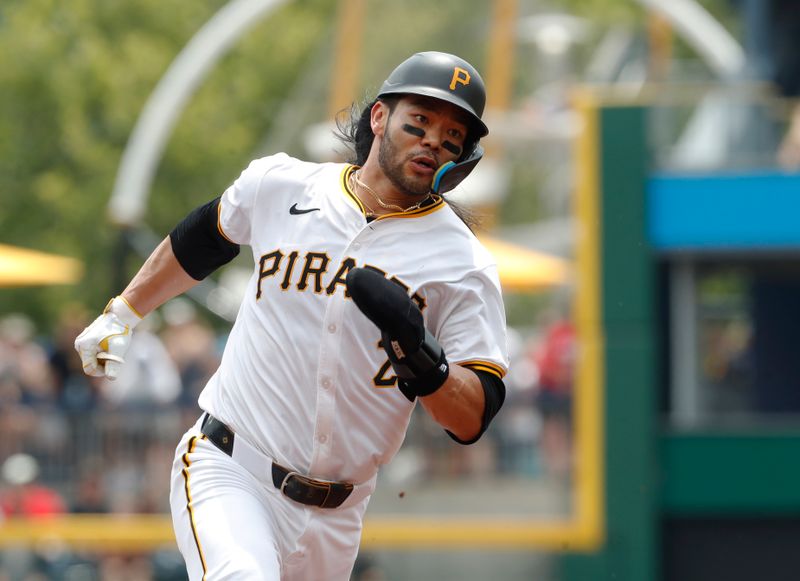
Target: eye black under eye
[451, 147]
[419, 132]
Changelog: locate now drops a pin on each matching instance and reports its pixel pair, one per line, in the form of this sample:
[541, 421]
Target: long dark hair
[354, 129]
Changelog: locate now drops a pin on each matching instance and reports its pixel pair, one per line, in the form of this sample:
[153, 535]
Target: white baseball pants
[231, 525]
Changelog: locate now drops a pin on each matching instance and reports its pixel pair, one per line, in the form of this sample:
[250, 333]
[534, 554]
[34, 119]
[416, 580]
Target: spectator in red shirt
[555, 359]
[22, 495]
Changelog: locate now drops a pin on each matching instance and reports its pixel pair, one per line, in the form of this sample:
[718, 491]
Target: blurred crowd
[77, 444]
[106, 461]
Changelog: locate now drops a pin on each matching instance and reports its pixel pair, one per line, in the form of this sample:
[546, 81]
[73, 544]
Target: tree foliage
[74, 78]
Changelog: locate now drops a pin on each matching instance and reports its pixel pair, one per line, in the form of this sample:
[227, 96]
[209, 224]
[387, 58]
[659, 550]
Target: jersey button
[332, 328]
[323, 438]
[357, 246]
[326, 383]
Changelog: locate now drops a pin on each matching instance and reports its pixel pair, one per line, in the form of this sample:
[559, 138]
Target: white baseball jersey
[303, 377]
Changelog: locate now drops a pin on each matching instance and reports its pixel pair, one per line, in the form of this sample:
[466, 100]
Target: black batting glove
[417, 358]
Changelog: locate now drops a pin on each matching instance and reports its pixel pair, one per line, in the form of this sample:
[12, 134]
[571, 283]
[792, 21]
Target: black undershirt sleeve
[494, 392]
[198, 243]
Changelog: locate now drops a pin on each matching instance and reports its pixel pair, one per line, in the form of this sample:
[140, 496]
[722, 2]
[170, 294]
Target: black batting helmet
[442, 76]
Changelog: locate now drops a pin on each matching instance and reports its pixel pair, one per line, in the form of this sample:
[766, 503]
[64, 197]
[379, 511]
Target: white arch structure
[143, 152]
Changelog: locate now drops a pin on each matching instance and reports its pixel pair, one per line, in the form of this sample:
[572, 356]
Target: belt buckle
[327, 485]
[286, 478]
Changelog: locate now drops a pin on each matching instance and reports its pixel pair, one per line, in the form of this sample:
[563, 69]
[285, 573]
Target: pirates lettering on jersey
[312, 273]
[315, 266]
[289, 268]
[273, 259]
[340, 277]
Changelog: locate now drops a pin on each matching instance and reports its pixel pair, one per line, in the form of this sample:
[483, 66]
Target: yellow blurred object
[661, 43]
[23, 267]
[522, 269]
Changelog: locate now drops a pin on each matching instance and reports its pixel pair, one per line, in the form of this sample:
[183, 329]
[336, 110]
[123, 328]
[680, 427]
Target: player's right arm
[160, 279]
[192, 251]
[195, 248]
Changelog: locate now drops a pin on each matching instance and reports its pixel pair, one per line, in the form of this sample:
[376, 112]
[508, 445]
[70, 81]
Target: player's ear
[379, 116]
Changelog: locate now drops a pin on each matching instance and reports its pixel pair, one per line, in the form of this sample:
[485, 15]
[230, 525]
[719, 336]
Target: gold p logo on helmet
[459, 76]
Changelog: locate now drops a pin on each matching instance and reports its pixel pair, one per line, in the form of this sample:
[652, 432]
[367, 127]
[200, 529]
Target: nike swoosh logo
[295, 210]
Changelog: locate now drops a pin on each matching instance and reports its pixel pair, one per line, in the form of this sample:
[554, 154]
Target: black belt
[302, 489]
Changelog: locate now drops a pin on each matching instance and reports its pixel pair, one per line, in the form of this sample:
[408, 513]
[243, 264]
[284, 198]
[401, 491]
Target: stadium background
[639, 193]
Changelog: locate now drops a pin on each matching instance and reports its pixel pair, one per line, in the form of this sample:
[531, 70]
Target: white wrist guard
[103, 344]
[122, 309]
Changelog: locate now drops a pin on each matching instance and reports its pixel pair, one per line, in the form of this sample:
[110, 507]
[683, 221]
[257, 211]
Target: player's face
[421, 134]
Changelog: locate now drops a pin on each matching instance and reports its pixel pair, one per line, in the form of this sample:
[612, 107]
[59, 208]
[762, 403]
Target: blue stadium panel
[754, 211]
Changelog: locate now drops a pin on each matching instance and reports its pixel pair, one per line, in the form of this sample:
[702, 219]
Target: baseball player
[368, 295]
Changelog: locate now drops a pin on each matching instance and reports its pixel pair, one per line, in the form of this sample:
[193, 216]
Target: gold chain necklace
[377, 198]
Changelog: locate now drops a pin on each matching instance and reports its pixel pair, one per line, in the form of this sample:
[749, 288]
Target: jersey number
[381, 378]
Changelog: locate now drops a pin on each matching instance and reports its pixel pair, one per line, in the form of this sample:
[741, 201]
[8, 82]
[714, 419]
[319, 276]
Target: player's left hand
[417, 358]
[103, 344]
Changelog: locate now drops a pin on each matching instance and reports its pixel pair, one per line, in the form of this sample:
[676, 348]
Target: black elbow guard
[494, 394]
[198, 244]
